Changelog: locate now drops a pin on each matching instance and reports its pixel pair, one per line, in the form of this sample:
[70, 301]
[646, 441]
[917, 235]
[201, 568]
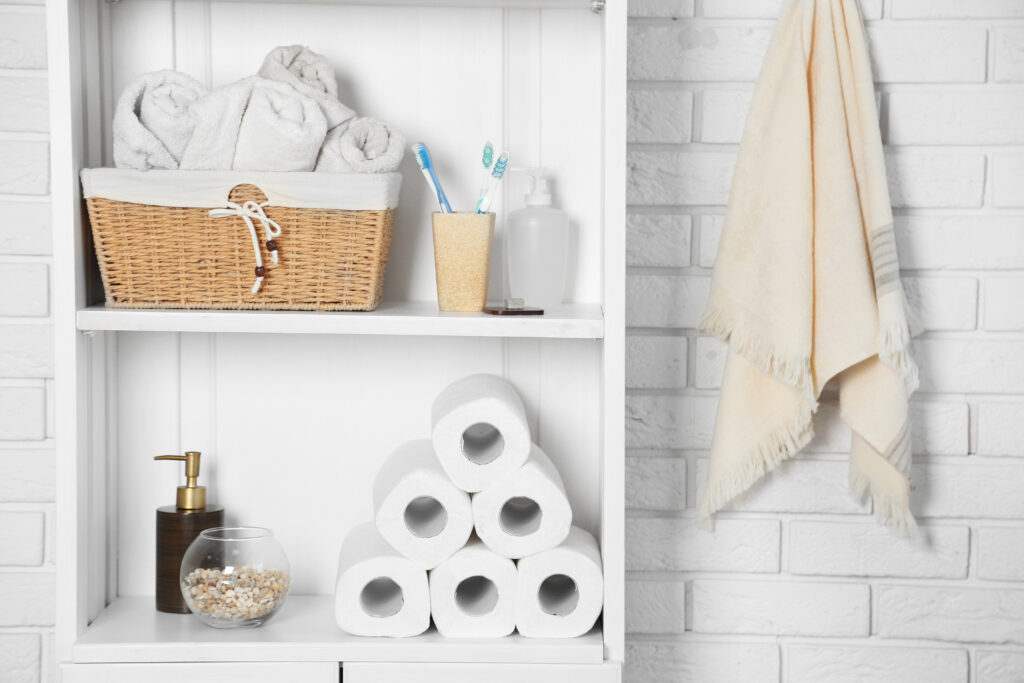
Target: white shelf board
[132, 630]
[511, 4]
[572, 321]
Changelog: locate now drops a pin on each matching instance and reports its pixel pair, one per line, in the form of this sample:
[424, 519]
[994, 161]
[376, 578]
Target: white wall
[26, 351]
[799, 584]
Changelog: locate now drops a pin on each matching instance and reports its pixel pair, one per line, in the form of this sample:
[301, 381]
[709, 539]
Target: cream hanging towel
[806, 285]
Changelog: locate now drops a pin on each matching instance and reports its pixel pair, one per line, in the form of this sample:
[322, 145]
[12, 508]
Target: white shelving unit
[294, 411]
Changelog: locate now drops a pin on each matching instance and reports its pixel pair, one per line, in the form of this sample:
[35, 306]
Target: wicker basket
[159, 256]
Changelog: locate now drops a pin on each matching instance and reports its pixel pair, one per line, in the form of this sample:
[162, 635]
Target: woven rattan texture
[168, 257]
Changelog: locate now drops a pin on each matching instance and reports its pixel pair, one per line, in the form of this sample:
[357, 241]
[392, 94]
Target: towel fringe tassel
[894, 339]
[793, 371]
[894, 514]
[772, 450]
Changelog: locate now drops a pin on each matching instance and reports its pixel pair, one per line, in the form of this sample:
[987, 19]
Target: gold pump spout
[191, 496]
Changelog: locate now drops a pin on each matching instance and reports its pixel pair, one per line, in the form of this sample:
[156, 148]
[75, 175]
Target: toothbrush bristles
[500, 164]
[488, 154]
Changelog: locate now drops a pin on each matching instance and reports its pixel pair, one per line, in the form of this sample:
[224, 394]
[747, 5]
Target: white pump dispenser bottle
[537, 247]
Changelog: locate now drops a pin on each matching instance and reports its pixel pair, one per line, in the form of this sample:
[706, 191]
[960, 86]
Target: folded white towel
[152, 120]
[256, 125]
[310, 74]
[363, 146]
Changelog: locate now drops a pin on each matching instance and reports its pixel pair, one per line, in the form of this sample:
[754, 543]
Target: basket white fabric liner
[210, 189]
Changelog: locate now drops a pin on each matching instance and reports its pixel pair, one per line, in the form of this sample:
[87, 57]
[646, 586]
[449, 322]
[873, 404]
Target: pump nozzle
[540, 186]
[190, 496]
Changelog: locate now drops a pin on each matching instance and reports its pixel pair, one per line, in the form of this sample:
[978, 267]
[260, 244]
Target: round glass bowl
[235, 577]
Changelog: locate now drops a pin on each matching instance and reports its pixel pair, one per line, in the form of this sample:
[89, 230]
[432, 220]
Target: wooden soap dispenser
[176, 527]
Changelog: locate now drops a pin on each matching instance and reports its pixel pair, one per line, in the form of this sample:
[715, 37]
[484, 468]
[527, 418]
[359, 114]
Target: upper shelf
[131, 630]
[594, 5]
[572, 321]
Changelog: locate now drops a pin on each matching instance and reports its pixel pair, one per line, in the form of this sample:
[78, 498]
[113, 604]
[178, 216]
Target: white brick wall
[781, 608]
[815, 664]
[27, 477]
[799, 584]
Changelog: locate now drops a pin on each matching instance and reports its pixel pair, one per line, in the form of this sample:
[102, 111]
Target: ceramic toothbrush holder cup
[462, 259]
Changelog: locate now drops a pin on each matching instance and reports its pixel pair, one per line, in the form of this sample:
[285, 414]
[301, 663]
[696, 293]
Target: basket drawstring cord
[271, 230]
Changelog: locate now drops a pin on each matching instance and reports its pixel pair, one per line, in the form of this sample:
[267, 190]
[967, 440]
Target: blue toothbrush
[497, 173]
[422, 155]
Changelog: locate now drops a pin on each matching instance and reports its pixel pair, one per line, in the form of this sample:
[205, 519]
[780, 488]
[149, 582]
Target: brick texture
[840, 549]
[781, 608]
[30, 282]
[21, 538]
[648, 662]
[983, 615]
[24, 106]
[999, 666]
[798, 584]
[26, 229]
[658, 240]
[22, 40]
[814, 664]
[1001, 553]
[27, 462]
[656, 607]
[656, 483]
[1001, 429]
[679, 545]
[19, 657]
[1009, 66]
[28, 599]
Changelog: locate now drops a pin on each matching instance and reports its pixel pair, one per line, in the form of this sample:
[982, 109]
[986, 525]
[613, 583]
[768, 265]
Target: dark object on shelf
[513, 307]
[176, 527]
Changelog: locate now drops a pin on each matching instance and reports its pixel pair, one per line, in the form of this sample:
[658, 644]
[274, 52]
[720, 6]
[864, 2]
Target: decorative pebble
[235, 594]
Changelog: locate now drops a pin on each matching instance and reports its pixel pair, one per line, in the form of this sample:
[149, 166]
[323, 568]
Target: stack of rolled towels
[471, 527]
[287, 117]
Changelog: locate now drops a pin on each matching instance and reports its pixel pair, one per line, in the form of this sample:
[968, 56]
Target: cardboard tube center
[558, 595]
[425, 517]
[381, 598]
[482, 443]
[520, 516]
[476, 596]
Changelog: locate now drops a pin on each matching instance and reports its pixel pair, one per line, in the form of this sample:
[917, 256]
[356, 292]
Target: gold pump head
[190, 496]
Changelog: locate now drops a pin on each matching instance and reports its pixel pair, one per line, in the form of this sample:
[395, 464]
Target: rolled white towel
[153, 122]
[311, 74]
[363, 146]
[256, 124]
[218, 117]
[282, 130]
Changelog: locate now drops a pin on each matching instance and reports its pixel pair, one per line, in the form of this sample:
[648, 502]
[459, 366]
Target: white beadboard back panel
[283, 421]
[533, 86]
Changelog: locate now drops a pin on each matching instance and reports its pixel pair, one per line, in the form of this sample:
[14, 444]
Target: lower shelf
[131, 630]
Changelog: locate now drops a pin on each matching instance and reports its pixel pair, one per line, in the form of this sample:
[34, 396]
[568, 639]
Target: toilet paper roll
[418, 510]
[561, 591]
[378, 591]
[480, 431]
[525, 513]
[473, 594]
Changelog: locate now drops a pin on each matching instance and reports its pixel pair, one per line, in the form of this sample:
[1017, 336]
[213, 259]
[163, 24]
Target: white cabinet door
[366, 672]
[213, 672]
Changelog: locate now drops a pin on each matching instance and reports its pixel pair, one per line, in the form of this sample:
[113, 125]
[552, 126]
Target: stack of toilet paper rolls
[472, 527]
